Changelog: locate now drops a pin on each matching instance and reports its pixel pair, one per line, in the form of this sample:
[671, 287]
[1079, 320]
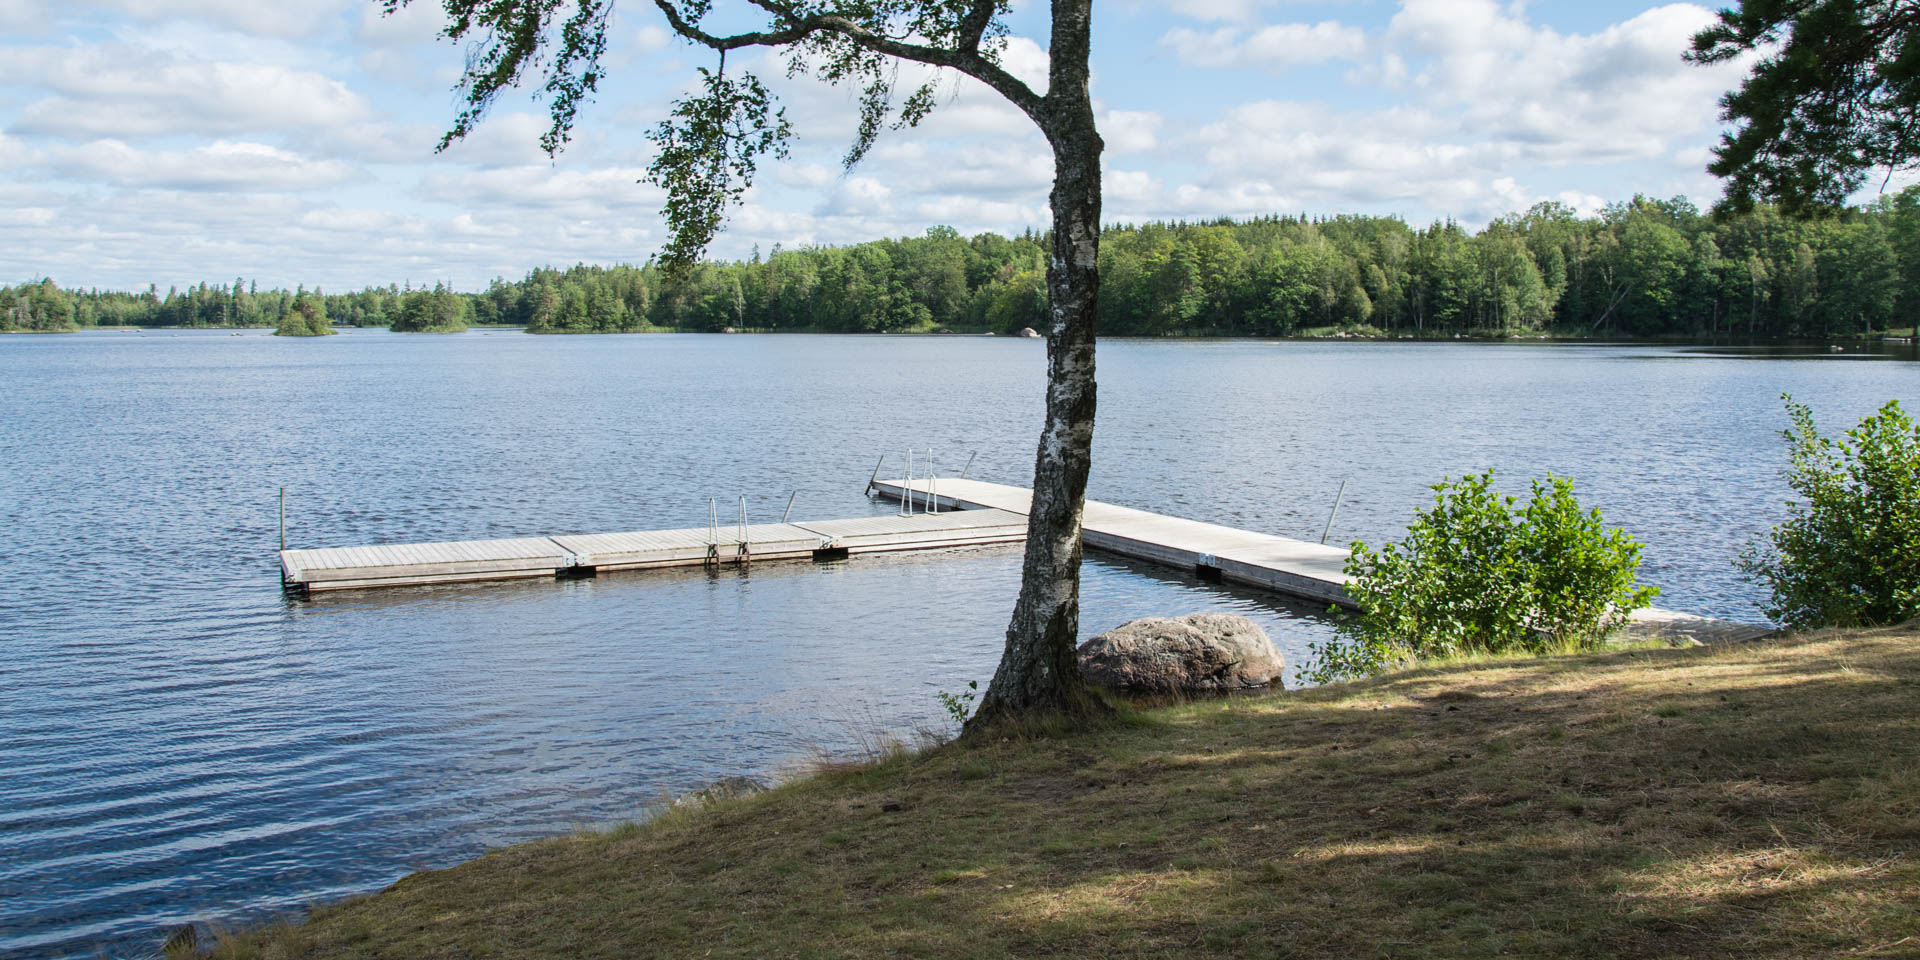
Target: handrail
[906, 500]
[745, 555]
[713, 531]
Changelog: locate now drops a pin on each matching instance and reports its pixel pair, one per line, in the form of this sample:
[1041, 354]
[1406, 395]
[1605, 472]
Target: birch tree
[708, 149]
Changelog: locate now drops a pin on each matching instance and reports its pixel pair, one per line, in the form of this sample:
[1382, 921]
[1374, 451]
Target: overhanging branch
[965, 56]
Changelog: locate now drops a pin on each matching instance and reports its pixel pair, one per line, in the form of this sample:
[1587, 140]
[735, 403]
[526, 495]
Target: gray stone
[1197, 652]
[727, 789]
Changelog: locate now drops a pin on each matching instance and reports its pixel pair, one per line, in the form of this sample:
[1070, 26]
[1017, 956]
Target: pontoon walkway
[346, 568]
[971, 512]
[1295, 568]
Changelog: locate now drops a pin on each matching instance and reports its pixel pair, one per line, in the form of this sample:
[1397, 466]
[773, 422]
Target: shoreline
[1886, 341]
[1643, 802]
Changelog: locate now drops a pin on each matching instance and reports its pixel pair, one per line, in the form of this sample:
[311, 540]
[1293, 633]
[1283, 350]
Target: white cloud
[1236, 11]
[413, 25]
[1697, 156]
[651, 38]
[1127, 193]
[221, 165]
[1393, 70]
[1027, 61]
[505, 140]
[124, 92]
[611, 192]
[1130, 131]
[245, 16]
[858, 196]
[812, 176]
[1619, 94]
[14, 154]
[970, 216]
[402, 50]
[1500, 105]
[983, 170]
[1294, 154]
[20, 16]
[1584, 204]
[1277, 47]
[362, 222]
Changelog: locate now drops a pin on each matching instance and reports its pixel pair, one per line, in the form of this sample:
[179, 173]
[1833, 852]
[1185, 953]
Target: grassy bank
[1758, 800]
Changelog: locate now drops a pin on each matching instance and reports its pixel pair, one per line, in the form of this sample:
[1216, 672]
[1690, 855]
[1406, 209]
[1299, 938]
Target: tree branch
[973, 27]
[965, 58]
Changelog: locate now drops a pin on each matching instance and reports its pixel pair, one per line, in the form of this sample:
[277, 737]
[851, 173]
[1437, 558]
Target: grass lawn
[1756, 800]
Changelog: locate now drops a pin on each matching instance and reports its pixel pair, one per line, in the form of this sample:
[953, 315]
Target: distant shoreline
[1387, 336]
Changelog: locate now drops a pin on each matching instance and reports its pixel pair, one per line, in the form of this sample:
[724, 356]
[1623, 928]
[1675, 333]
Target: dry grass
[1760, 800]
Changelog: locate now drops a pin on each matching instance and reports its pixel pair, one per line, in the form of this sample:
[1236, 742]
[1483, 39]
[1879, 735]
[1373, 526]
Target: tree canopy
[1639, 267]
[1833, 96]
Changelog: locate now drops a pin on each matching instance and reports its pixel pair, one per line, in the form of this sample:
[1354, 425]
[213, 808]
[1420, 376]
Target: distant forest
[1646, 267]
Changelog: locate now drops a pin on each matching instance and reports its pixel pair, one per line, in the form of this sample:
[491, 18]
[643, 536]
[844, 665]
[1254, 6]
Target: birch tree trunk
[1038, 671]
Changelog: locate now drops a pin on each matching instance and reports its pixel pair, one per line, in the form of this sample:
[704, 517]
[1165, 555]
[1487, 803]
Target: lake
[178, 741]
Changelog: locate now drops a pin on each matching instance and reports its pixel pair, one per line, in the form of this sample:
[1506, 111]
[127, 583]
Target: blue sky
[175, 141]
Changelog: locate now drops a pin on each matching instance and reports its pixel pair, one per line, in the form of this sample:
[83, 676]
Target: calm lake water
[180, 742]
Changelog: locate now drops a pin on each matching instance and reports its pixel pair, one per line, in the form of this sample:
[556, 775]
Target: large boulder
[1197, 652]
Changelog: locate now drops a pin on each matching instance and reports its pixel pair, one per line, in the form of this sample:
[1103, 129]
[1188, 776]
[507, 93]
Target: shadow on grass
[1753, 801]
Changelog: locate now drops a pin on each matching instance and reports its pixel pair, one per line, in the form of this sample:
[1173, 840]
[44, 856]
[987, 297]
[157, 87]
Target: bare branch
[967, 59]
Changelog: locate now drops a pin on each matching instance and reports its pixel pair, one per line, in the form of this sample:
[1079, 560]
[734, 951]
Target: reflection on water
[179, 741]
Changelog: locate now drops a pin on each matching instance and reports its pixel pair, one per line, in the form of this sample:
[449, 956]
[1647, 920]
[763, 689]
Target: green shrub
[1476, 576]
[1849, 553]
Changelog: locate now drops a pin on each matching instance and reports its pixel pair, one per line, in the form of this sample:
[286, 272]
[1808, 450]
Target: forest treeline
[1646, 267]
[44, 306]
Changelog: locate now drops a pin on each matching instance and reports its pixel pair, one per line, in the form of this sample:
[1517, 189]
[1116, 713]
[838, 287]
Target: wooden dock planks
[407, 564]
[921, 531]
[342, 568]
[666, 548]
[1295, 568]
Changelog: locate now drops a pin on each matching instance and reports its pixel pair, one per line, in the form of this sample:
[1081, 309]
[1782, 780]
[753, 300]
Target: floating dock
[969, 512]
[1294, 568]
[575, 555]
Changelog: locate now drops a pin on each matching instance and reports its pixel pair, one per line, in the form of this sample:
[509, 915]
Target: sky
[179, 141]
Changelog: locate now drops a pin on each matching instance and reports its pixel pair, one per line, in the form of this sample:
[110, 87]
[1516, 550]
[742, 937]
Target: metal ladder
[743, 547]
[930, 503]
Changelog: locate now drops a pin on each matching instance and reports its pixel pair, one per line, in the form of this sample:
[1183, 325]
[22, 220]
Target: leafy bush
[1849, 554]
[1475, 576]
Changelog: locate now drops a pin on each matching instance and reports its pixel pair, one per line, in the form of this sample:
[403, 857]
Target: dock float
[587, 554]
[1292, 568]
[960, 513]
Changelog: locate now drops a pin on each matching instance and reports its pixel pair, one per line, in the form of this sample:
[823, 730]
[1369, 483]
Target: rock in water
[1028, 332]
[1197, 652]
[726, 789]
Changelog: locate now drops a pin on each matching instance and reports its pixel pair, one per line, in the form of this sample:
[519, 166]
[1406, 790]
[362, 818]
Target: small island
[305, 317]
